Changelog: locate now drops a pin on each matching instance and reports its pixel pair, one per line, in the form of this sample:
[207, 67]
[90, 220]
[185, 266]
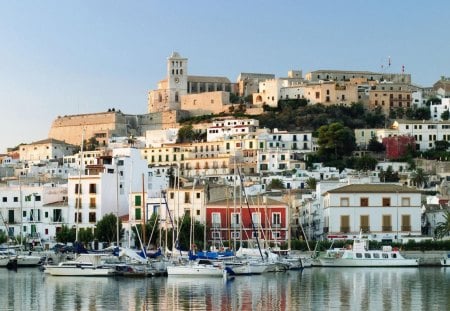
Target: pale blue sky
[69, 57]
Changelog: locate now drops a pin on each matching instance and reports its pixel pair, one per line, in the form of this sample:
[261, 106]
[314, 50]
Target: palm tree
[443, 227]
[419, 178]
[311, 182]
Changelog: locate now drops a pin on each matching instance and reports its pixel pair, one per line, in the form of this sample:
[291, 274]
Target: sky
[73, 57]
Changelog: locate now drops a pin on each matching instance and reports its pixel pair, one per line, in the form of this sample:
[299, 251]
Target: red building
[226, 222]
[397, 146]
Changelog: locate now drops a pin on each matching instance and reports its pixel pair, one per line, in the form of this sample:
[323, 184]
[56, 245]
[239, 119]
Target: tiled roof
[374, 188]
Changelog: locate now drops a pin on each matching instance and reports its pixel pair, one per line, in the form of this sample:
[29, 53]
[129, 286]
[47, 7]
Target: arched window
[176, 97]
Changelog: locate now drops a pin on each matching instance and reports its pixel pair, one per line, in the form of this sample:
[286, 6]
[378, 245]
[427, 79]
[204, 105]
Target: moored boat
[83, 265]
[200, 267]
[445, 261]
[360, 256]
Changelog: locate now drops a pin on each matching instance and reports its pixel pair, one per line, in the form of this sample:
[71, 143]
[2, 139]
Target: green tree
[374, 145]
[419, 178]
[187, 134]
[65, 235]
[3, 237]
[91, 144]
[312, 183]
[445, 115]
[441, 145]
[443, 227]
[184, 235]
[85, 235]
[335, 141]
[276, 184]
[151, 231]
[106, 230]
[389, 175]
[366, 163]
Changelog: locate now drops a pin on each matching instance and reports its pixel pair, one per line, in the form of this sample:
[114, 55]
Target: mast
[143, 212]
[250, 213]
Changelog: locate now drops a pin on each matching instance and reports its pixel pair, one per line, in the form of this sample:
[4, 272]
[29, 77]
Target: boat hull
[343, 262]
[79, 271]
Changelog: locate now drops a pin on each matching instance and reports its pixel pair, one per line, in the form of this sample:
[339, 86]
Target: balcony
[406, 228]
[215, 225]
[365, 229]
[276, 225]
[345, 229]
[386, 228]
[235, 226]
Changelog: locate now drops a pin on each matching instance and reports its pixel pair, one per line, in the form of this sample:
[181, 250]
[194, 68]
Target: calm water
[312, 289]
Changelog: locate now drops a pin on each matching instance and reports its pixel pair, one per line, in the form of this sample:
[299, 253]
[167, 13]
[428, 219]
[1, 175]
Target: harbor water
[425, 288]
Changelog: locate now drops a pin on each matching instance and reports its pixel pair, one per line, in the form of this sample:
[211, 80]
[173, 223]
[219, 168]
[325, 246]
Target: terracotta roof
[253, 201]
[373, 188]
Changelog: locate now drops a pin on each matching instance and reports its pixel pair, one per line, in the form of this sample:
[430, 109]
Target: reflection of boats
[445, 261]
[360, 256]
[83, 265]
[200, 267]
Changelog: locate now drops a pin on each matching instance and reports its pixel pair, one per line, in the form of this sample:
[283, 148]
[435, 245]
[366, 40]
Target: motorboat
[359, 255]
[445, 261]
[83, 265]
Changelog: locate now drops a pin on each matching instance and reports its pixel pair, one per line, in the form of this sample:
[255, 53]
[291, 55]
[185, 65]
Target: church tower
[177, 80]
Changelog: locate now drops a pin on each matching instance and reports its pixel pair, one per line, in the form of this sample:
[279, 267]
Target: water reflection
[312, 289]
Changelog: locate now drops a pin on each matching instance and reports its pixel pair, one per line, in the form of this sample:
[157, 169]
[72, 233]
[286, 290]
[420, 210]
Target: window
[376, 255]
[358, 255]
[215, 220]
[92, 217]
[364, 221]
[5, 199]
[235, 220]
[345, 223]
[275, 234]
[216, 235]
[187, 197]
[16, 199]
[256, 218]
[172, 195]
[406, 223]
[367, 255]
[92, 203]
[386, 202]
[344, 202]
[37, 198]
[137, 200]
[276, 220]
[386, 225]
[46, 214]
[406, 202]
[364, 202]
[78, 188]
[197, 194]
[79, 218]
[235, 235]
[137, 214]
[92, 188]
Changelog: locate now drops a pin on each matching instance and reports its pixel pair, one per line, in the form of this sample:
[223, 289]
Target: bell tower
[176, 80]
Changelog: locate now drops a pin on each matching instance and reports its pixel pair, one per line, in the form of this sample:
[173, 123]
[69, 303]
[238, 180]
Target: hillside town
[206, 149]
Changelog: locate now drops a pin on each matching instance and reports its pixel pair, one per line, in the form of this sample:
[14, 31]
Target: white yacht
[445, 261]
[360, 256]
[83, 265]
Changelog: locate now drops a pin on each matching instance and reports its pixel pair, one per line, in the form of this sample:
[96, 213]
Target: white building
[425, 133]
[35, 212]
[44, 150]
[437, 108]
[106, 187]
[383, 212]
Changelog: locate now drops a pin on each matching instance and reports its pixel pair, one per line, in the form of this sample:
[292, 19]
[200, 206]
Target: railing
[365, 229]
[406, 228]
[345, 229]
[386, 228]
[276, 225]
[215, 225]
[235, 226]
